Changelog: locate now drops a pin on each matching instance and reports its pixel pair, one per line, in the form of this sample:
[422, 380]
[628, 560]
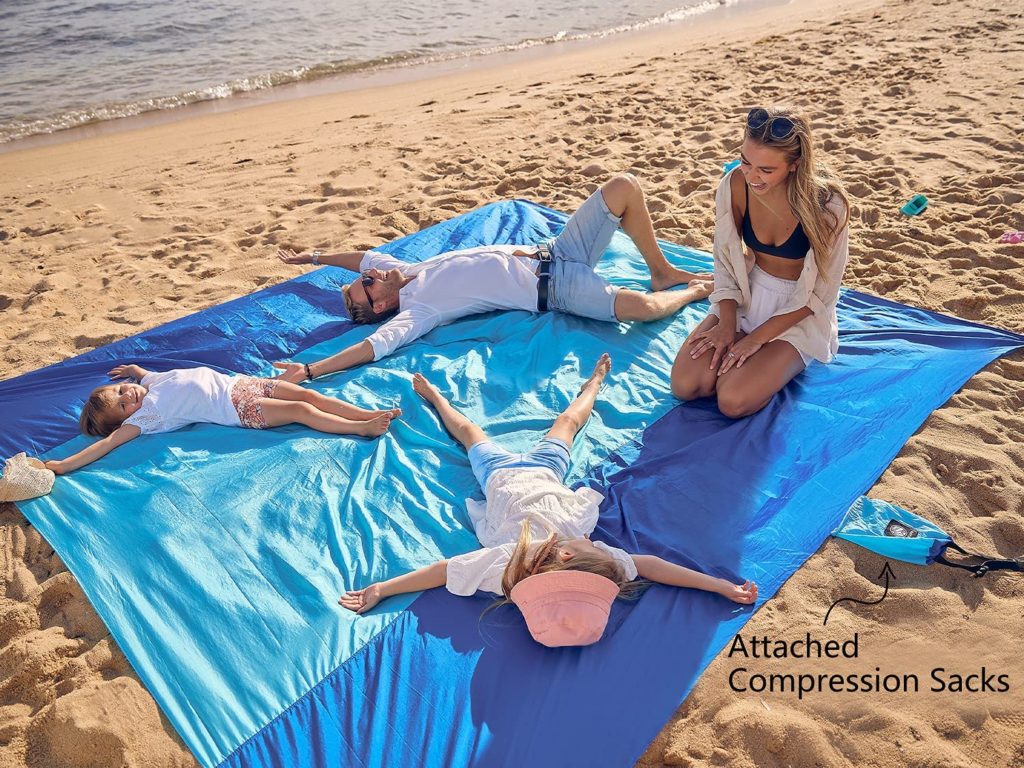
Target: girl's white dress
[185, 396]
[514, 495]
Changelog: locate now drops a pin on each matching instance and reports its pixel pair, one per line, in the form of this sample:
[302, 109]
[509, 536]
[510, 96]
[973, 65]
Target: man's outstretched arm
[350, 357]
[350, 260]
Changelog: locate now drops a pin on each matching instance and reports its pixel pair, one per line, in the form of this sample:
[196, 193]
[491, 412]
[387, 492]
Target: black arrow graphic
[887, 572]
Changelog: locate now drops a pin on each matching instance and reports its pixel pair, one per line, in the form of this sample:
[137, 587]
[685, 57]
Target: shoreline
[110, 235]
[388, 76]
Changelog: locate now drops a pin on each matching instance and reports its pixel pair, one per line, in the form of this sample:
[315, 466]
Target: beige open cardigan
[815, 336]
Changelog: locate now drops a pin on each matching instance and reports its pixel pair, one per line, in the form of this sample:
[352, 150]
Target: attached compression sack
[893, 532]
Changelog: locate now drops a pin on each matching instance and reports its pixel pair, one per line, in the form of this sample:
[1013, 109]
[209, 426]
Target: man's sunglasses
[366, 281]
[777, 128]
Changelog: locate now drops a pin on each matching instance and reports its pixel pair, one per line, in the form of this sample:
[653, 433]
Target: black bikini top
[795, 247]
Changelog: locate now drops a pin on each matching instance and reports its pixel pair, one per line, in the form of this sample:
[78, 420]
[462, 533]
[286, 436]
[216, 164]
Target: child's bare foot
[393, 412]
[601, 369]
[425, 389]
[376, 426]
[671, 276]
[701, 288]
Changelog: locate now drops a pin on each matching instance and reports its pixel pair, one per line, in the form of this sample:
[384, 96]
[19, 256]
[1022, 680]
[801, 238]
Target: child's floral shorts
[245, 396]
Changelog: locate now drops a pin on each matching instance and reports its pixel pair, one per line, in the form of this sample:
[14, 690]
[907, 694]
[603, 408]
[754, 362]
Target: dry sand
[109, 236]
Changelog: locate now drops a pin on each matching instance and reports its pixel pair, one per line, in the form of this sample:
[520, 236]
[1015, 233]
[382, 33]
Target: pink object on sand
[565, 607]
[1012, 237]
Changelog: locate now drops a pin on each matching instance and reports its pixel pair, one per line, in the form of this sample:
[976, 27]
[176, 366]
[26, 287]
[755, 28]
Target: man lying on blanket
[414, 298]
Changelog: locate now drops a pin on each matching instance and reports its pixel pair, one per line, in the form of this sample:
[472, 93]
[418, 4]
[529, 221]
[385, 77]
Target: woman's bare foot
[671, 276]
[425, 389]
[601, 369]
[376, 426]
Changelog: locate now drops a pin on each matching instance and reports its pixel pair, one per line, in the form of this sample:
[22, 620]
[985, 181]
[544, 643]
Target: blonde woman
[773, 310]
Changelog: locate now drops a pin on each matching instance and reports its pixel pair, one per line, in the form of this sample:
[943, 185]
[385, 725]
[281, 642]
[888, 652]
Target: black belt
[543, 277]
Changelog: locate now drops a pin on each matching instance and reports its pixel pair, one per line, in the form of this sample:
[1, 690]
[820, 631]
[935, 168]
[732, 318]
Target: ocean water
[65, 63]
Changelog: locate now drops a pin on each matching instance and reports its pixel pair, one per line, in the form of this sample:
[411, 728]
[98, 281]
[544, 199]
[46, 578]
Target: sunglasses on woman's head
[778, 127]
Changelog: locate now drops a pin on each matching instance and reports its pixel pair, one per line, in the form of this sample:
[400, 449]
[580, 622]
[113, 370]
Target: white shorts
[768, 295]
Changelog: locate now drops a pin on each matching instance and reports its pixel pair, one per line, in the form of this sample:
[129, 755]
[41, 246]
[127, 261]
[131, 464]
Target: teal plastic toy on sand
[914, 205]
[729, 166]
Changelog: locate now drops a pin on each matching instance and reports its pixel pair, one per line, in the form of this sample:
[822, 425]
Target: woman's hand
[288, 256]
[55, 465]
[361, 600]
[745, 593]
[126, 372]
[739, 353]
[717, 339]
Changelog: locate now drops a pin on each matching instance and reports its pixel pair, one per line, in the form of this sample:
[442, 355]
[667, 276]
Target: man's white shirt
[453, 285]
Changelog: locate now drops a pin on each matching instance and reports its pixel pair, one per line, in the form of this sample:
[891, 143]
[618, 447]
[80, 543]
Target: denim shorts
[550, 453]
[575, 288]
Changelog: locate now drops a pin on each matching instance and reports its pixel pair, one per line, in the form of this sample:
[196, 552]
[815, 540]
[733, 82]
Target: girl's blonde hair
[812, 187]
[96, 413]
[544, 558]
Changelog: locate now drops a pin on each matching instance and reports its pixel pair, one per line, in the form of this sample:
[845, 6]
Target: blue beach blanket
[215, 555]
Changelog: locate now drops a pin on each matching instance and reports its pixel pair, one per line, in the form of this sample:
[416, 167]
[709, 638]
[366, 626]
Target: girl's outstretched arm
[661, 571]
[132, 371]
[428, 577]
[97, 450]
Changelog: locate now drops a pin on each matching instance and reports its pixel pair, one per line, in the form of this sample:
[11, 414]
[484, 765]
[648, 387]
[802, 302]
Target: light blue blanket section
[216, 555]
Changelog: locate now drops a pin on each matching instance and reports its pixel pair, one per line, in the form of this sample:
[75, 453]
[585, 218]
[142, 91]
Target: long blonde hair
[544, 558]
[812, 187]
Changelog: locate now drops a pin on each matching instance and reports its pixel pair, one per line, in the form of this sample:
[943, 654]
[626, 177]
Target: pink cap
[565, 607]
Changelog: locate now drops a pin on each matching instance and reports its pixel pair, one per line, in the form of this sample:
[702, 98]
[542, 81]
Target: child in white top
[164, 402]
[533, 525]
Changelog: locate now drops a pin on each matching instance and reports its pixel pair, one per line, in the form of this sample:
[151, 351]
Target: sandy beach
[105, 237]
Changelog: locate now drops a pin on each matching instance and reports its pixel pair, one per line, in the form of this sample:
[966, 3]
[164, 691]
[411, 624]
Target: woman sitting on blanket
[163, 402]
[773, 310]
[536, 536]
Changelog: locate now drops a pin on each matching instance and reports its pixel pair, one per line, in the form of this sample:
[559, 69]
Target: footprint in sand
[91, 341]
[516, 185]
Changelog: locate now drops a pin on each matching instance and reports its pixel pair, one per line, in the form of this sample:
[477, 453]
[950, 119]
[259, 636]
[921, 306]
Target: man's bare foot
[376, 426]
[701, 288]
[425, 389]
[601, 369]
[675, 276]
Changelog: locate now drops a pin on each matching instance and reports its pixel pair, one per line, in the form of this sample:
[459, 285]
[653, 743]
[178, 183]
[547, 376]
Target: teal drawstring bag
[893, 532]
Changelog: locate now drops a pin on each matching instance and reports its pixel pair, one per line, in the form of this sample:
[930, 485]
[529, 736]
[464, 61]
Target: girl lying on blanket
[536, 536]
[163, 402]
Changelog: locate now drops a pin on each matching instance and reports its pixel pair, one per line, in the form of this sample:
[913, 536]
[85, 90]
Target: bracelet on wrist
[309, 371]
[316, 257]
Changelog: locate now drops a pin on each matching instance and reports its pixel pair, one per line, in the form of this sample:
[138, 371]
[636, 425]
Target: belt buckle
[543, 275]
